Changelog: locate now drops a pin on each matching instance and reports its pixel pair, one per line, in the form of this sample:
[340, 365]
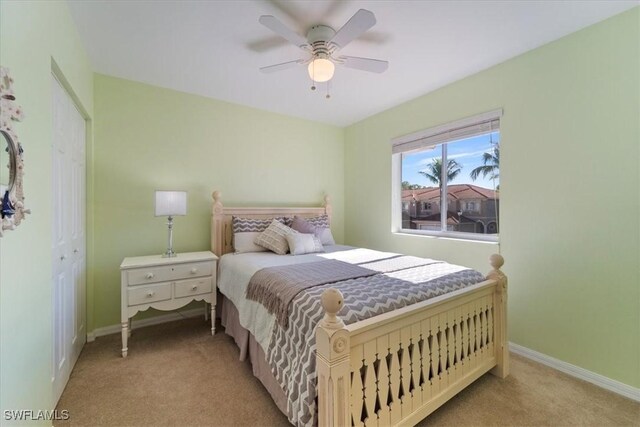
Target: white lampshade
[170, 203]
[321, 70]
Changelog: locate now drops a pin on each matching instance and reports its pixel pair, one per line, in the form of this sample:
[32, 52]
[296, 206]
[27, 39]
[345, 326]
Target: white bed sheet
[235, 272]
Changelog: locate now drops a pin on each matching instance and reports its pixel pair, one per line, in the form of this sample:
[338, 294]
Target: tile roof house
[471, 209]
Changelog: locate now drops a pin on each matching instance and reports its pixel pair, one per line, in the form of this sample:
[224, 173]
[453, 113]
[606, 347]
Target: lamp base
[169, 253]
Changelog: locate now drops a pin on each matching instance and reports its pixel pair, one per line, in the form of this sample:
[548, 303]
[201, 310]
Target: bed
[387, 345]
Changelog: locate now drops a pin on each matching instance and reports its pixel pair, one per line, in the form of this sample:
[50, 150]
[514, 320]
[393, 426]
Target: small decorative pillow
[322, 229]
[300, 243]
[245, 230]
[274, 237]
[301, 225]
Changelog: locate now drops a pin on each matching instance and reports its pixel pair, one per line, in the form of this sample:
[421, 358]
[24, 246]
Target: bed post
[332, 363]
[217, 232]
[327, 206]
[500, 304]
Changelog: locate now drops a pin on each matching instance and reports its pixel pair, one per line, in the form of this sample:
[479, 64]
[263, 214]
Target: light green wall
[31, 35]
[148, 138]
[570, 191]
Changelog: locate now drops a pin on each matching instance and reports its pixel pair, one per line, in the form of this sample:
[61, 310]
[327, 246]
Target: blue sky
[467, 152]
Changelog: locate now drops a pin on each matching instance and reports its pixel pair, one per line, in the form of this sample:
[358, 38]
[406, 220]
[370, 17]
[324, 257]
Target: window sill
[450, 235]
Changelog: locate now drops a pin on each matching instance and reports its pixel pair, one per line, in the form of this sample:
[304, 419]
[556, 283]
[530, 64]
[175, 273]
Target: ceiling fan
[322, 45]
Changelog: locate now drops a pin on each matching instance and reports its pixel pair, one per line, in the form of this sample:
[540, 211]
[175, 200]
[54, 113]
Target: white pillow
[300, 243]
[243, 242]
[274, 237]
[325, 236]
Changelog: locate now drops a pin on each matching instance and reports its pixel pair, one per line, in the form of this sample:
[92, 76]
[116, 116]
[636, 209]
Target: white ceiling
[214, 48]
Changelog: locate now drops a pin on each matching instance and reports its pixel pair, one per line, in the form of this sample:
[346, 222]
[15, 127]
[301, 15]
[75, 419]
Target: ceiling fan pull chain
[313, 75]
[328, 87]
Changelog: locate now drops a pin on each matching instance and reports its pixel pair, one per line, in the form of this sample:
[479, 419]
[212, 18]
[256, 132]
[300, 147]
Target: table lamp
[171, 203]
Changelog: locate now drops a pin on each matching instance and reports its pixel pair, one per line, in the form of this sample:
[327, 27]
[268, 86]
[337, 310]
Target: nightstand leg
[213, 319]
[125, 335]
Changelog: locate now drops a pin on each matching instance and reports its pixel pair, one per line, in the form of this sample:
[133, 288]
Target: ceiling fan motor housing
[318, 37]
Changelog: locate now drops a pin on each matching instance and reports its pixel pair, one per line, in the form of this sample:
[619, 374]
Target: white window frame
[424, 139]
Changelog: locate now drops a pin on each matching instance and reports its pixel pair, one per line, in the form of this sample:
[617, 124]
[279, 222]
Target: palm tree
[433, 172]
[406, 185]
[491, 165]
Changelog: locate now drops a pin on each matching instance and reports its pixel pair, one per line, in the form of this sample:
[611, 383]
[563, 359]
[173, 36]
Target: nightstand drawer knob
[149, 276]
[150, 294]
[194, 287]
[194, 270]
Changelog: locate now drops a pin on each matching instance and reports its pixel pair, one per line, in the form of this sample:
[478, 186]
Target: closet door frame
[69, 232]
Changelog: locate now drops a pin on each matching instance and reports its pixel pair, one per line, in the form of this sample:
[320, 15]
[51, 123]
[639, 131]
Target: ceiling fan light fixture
[321, 70]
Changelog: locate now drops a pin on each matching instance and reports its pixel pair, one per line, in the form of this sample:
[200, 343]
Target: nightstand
[166, 284]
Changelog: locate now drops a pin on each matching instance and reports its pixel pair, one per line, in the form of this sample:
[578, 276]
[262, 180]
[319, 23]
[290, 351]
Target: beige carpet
[178, 374]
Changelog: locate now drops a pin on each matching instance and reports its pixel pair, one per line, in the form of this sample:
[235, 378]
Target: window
[471, 206]
[456, 167]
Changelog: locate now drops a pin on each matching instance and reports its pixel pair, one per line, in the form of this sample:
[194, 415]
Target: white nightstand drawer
[165, 274]
[149, 294]
[193, 287]
[150, 275]
[195, 269]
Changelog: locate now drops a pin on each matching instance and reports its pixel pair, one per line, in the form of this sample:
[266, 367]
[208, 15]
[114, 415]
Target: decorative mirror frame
[12, 210]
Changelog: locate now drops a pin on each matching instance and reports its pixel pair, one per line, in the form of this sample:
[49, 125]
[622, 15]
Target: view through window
[471, 183]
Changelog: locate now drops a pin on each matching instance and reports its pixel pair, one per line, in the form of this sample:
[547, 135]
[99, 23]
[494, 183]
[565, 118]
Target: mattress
[290, 350]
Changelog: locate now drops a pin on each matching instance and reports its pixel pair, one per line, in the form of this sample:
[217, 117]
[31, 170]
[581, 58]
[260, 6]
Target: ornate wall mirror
[12, 210]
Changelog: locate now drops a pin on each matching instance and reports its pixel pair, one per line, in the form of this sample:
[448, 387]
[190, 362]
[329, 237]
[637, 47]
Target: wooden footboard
[397, 368]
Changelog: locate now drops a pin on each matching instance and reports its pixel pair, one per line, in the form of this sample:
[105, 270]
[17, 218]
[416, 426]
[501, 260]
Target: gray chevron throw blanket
[276, 287]
[400, 281]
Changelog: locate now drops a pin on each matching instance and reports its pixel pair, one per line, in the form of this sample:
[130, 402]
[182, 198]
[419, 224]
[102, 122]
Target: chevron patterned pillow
[247, 225]
[245, 230]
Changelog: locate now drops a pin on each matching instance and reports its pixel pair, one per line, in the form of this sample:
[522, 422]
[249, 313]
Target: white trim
[459, 129]
[617, 387]
[457, 235]
[156, 320]
[396, 192]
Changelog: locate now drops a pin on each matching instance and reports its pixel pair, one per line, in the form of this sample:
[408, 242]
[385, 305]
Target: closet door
[69, 248]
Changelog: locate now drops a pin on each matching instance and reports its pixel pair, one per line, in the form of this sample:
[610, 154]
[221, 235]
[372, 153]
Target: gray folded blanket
[276, 287]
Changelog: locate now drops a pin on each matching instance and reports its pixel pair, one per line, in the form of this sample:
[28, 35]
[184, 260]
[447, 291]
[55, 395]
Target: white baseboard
[577, 372]
[135, 324]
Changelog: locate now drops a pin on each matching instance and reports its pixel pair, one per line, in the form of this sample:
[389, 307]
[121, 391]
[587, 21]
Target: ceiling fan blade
[279, 28]
[282, 66]
[358, 24]
[364, 64]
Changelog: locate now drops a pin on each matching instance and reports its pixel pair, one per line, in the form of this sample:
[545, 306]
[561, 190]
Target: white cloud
[472, 154]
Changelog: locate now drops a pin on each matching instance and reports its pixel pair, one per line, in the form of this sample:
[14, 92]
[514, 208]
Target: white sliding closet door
[68, 191]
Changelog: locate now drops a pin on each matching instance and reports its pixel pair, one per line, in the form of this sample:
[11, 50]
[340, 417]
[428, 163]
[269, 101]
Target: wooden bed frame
[398, 367]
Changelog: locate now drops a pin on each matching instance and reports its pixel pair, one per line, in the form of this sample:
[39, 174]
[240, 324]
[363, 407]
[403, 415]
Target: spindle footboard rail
[398, 367]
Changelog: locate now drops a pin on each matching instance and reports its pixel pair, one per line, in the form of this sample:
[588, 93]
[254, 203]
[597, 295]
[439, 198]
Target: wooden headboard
[222, 229]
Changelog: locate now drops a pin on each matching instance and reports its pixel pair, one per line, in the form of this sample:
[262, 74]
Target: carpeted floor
[178, 374]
